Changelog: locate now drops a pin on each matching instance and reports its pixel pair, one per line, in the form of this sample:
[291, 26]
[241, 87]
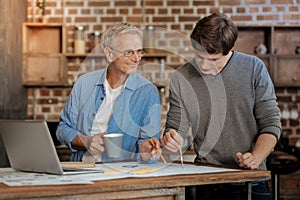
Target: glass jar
[149, 39]
[95, 40]
[79, 40]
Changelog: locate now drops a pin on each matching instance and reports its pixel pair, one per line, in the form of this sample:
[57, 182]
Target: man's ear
[108, 54]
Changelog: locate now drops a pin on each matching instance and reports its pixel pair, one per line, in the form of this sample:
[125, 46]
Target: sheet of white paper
[11, 177]
[163, 169]
[119, 170]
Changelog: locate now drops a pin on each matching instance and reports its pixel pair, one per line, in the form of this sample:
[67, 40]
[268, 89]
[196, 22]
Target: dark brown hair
[214, 34]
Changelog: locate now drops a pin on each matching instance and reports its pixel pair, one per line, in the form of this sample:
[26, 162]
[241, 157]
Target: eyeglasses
[129, 53]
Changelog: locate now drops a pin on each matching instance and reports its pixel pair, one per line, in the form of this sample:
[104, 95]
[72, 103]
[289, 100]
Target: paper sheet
[117, 170]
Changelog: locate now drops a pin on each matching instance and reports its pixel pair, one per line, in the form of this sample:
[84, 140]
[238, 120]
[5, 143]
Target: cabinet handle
[294, 79]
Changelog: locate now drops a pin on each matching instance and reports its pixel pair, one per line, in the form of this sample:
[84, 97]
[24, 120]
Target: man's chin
[132, 70]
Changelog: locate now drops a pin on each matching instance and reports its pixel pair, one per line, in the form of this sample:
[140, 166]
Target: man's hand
[172, 141]
[93, 144]
[248, 160]
[148, 151]
[263, 147]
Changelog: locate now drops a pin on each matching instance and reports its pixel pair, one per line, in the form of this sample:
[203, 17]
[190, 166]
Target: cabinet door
[44, 70]
[287, 71]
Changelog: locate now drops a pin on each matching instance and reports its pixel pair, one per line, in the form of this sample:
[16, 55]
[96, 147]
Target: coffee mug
[113, 144]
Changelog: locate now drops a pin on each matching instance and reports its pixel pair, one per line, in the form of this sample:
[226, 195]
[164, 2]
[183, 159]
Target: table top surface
[133, 184]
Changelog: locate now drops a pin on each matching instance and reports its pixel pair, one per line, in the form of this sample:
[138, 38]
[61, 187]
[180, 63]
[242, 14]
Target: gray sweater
[226, 112]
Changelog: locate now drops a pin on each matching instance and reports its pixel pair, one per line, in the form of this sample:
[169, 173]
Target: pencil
[160, 155]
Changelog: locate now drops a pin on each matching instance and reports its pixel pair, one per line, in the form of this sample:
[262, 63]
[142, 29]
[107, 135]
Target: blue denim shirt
[136, 113]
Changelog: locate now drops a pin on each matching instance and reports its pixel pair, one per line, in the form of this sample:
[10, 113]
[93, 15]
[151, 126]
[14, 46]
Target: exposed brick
[44, 92]
[99, 3]
[111, 11]
[267, 17]
[284, 98]
[280, 8]
[177, 3]
[203, 3]
[188, 11]
[229, 2]
[279, 90]
[137, 11]
[240, 10]
[188, 19]
[291, 17]
[111, 19]
[57, 92]
[163, 11]
[50, 4]
[46, 109]
[85, 11]
[98, 11]
[292, 90]
[241, 18]
[281, 1]
[72, 11]
[134, 19]
[267, 9]
[53, 117]
[253, 9]
[164, 19]
[189, 26]
[175, 27]
[74, 3]
[293, 9]
[58, 109]
[125, 3]
[252, 2]
[85, 19]
[97, 27]
[123, 11]
[154, 3]
[227, 10]
[294, 123]
[59, 11]
[176, 11]
[150, 11]
[201, 10]
[214, 10]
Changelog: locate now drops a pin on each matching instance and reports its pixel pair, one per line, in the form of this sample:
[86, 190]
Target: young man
[113, 100]
[228, 99]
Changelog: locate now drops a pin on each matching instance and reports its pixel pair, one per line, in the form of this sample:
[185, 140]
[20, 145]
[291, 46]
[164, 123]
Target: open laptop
[30, 148]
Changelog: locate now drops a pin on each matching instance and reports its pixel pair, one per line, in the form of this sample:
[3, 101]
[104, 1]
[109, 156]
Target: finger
[239, 155]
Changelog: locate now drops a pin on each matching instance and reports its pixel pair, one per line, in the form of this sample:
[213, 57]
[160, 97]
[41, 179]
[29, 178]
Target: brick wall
[173, 19]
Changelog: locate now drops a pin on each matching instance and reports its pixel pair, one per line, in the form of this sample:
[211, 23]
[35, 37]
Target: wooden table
[166, 187]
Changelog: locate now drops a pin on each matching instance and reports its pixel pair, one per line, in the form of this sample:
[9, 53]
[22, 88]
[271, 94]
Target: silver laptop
[29, 147]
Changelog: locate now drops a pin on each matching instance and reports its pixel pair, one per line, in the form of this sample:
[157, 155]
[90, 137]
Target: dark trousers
[230, 191]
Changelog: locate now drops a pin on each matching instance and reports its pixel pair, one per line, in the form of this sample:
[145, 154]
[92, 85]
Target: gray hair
[117, 30]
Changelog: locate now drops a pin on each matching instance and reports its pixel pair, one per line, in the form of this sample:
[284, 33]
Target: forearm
[264, 146]
[80, 142]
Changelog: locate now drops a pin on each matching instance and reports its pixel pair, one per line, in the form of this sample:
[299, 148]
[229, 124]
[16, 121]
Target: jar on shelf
[95, 40]
[79, 40]
[149, 39]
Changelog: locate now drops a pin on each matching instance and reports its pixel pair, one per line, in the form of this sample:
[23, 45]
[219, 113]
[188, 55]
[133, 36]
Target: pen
[160, 155]
[181, 158]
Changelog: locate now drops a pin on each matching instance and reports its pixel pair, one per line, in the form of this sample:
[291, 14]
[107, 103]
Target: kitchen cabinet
[44, 63]
[281, 57]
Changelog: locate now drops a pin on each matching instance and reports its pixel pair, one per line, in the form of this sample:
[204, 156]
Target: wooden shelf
[43, 61]
[281, 59]
[100, 55]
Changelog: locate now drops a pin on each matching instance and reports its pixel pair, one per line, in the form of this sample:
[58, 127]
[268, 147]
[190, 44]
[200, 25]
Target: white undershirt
[104, 113]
